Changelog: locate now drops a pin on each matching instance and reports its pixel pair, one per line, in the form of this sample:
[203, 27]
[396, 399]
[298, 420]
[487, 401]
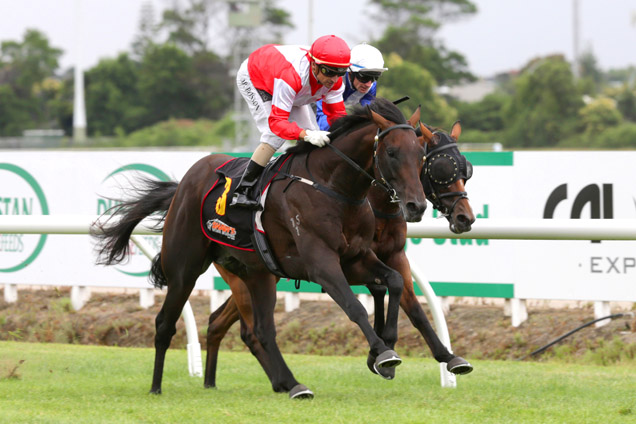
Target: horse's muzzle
[413, 211]
[461, 223]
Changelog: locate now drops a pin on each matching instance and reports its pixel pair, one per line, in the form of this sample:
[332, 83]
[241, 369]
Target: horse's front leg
[378, 293]
[413, 309]
[380, 278]
[325, 269]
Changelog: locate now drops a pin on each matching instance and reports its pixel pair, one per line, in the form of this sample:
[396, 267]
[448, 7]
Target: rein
[382, 183]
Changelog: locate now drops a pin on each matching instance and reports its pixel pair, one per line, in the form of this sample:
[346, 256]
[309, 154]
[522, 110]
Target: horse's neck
[342, 176]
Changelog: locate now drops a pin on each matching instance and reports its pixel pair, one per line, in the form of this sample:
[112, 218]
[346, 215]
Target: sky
[503, 36]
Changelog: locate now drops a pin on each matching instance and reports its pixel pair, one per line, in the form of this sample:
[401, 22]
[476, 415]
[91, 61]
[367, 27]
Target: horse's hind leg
[413, 309]
[237, 306]
[219, 323]
[263, 295]
[165, 325]
[183, 259]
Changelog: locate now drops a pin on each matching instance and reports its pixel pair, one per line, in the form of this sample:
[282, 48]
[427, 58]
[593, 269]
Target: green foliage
[590, 73]
[484, 115]
[411, 25]
[178, 132]
[544, 108]
[15, 112]
[446, 67]
[622, 136]
[29, 62]
[408, 79]
[625, 97]
[599, 115]
[479, 137]
[25, 87]
[112, 96]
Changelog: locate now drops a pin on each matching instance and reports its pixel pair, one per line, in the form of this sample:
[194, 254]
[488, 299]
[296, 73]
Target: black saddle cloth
[220, 223]
[235, 227]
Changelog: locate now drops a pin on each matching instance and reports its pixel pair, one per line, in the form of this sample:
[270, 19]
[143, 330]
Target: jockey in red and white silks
[279, 84]
[279, 87]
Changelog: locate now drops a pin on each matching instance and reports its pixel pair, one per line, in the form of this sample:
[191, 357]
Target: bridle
[381, 181]
[444, 165]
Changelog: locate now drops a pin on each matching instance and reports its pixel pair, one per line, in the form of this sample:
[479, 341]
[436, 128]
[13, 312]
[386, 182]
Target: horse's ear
[427, 135]
[456, 130]
[379, 120]
[414, 119]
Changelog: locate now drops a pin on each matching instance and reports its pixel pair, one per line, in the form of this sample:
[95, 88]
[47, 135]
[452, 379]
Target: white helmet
[366, 58]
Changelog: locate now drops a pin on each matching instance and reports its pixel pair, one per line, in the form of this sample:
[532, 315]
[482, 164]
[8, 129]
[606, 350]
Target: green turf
[89, 384]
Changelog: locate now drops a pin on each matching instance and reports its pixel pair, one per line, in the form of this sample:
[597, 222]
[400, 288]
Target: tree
[112, 96]
[591, 75]
[25, 71]
[148, 31]
[544, 107]
[165, 85]
[29, 62]
[626, 101]
[411, 26]
[409, 79]
[599, 115]
[189, 24]
[484, 115]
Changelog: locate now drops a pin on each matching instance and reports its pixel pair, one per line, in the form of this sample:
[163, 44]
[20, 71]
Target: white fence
[492, 229]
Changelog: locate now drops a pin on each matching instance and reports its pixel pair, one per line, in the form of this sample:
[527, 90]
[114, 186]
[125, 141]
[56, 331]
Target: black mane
[358, 117]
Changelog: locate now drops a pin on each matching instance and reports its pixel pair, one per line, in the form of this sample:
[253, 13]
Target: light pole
[576, 67]
[79, 108]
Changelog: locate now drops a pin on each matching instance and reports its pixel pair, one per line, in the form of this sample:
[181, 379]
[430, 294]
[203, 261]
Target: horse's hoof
[387, 359]
[386, 373]
[155, 391]
[459, 366]
[300, 391]
[209, 386]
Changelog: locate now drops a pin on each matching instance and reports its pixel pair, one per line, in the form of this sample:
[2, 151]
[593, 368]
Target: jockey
[279, 84]
[367, 66]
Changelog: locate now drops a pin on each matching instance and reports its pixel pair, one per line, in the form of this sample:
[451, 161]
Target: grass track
[90, 384]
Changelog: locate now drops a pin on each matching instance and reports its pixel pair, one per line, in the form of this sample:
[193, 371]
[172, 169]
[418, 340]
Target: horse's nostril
[414, 208]
[464, 221]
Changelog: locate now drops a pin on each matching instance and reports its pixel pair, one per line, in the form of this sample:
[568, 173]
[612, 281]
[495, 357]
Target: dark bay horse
[443, 177]
[321, 235]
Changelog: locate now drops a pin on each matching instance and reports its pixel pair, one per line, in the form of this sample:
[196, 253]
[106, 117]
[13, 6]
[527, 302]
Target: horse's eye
[391, 152]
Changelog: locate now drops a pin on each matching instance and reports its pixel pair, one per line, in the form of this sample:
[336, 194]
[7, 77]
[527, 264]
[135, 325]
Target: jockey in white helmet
[360, 81]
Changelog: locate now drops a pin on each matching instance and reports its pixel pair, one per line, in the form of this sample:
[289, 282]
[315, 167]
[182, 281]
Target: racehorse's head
[399, 159]
[444, 176]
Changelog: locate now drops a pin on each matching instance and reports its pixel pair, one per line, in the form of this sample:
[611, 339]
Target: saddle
[238, 227]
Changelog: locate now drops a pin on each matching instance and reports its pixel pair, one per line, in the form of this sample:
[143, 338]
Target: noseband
[442, 168]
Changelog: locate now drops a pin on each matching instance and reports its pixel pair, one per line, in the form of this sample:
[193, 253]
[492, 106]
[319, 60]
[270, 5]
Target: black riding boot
[243, 196]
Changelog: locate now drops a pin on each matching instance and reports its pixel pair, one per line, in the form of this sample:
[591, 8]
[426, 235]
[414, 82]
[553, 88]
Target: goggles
[329, 71]
[365, 78]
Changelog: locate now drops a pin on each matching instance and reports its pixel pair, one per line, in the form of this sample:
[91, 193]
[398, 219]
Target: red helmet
[331, 51]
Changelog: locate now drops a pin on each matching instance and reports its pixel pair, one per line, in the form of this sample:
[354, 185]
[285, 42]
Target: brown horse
[321, 232]
[445, 172]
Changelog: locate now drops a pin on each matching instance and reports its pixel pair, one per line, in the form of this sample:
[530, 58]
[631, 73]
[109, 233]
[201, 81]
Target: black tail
[157, 277]
[112, 239]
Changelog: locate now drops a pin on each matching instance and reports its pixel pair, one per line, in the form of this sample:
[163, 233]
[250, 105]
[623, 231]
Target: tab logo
[20, 194]
[115, 186]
